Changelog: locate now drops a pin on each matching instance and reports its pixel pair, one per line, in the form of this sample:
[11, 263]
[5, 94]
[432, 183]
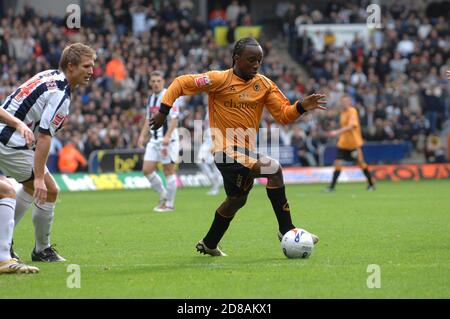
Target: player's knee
[7, 192]
[147, 170]
[276, 179]
[237, 202]
[52, 191]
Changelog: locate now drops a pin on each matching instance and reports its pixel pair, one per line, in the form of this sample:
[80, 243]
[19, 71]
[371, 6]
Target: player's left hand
[312, 102]
[157, 121]
[448, 74]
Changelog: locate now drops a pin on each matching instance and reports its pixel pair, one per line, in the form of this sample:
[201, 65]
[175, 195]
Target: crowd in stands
[397, 81]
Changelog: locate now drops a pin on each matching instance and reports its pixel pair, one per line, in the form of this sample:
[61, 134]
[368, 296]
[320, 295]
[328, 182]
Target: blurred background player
[205, 160]
[42, 103]
[163, 146]
[349, 143]
[237, 97]
[8, 204]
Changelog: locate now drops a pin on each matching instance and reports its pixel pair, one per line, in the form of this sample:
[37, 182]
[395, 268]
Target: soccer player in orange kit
[349, 143]
[237, 97]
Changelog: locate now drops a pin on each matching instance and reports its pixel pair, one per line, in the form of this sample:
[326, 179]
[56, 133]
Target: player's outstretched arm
[143, 135]
[283, 111]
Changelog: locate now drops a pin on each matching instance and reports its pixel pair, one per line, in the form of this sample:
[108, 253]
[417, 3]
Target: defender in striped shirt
[42, 103]
[162, 147]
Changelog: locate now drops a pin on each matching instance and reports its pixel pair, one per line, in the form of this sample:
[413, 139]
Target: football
[297, 243]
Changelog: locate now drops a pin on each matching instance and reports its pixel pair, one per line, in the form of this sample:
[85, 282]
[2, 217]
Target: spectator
[70, 159]
[405, 47]
[232, 12]
[179, 42]
[217, 16]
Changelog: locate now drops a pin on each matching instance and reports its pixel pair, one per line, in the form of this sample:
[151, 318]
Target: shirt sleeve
[55, 112]
[191, 84]
[279, 105]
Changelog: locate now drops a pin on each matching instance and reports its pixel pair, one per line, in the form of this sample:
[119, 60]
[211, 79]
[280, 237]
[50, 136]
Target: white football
[297, 243]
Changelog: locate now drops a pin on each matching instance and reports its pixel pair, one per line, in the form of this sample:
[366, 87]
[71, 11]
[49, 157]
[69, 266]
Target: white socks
[7, 206]
[156, 183]
[23, 203]
[42, 219]
[171, 189]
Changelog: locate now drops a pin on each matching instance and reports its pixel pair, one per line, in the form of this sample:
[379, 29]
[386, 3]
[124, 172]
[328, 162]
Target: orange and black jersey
[235, 105]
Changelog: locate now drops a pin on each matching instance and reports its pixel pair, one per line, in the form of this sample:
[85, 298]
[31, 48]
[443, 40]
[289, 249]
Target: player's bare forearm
[173, 124]
[144, 130]
[144, 134]
[41, 155]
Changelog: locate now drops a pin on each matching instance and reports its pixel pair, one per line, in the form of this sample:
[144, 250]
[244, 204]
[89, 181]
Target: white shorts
[17, 164]
[205, 154]
[155, 152]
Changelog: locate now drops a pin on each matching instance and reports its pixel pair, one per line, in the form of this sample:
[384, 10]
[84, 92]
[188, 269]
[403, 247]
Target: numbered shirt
[42, 103]
[153, 105]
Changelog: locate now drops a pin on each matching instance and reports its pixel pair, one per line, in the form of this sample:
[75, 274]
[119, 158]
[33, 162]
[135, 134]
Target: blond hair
[73, 54]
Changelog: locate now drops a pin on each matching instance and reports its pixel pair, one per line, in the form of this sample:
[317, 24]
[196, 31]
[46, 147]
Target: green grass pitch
[125, 250]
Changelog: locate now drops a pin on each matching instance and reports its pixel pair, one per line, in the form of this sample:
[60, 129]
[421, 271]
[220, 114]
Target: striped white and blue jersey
[42, 103]
[153, 105]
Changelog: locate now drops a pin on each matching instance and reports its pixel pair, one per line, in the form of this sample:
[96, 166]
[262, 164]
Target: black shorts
[237, 180]
[347, 155]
